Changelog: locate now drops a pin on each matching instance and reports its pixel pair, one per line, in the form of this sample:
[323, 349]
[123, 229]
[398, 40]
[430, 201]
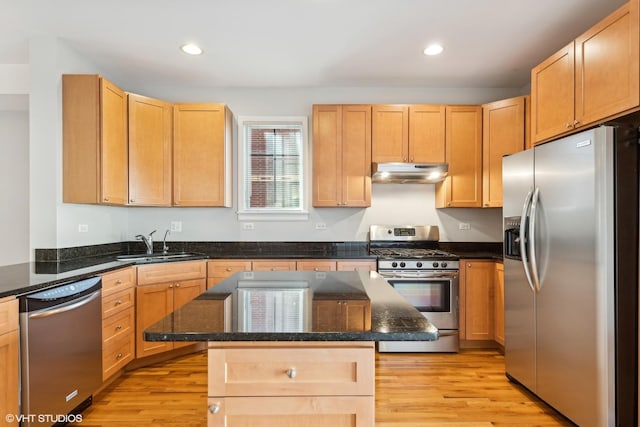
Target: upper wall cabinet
[463, 186]
[503, 133]
[593, 78]
[94, 126]
[408, 133]
[149, 151]
[201, 155]
[341, 155]
[390, 133]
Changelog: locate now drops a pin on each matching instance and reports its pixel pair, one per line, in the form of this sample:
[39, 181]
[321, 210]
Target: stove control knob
[418, 264]
[435, 265]
[444, 265]
[402, 264]
[394, 264]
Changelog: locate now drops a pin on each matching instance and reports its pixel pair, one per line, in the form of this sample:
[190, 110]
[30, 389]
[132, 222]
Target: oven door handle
[420, 276]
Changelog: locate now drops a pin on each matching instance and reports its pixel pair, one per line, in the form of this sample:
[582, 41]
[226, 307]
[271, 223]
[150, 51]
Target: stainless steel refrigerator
[571, 274]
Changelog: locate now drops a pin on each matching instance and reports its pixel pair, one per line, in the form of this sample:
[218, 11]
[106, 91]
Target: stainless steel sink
[139, 258]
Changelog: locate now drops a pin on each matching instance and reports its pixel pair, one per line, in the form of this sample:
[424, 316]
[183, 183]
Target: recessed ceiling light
[433, 49]
[191, 49]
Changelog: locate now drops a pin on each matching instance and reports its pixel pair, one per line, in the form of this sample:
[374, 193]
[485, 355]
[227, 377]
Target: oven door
[434, 294]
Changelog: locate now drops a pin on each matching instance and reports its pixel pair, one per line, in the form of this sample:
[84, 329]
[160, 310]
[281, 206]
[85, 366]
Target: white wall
[14, 186]
[54, 224]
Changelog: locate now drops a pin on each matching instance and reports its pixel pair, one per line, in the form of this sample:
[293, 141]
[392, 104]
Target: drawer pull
[118, 302]
[215, 408]
[119, 356]
[118, 282]
[228, 269]
[119, 328]
[291, 373]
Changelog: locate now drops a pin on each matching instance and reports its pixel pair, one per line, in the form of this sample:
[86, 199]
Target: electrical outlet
[176, 226]
[321, 226]
[464, 226]
[83, 228]
[248, 226]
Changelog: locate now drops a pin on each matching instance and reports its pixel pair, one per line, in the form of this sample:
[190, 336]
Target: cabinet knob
[228, 269]
[291, 373]
[131, 200]
[568, 125]
[170, 286]
[119, 327]
[215, 408]
[118, 282]
[119, 356]
[316, 269]
[177, 285]
[106, 199]
[118, 302]
[576, 122]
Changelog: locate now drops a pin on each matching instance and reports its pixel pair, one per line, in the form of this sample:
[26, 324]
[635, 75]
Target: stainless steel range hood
[422, 173]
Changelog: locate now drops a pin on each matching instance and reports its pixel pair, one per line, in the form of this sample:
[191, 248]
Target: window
[272, 167]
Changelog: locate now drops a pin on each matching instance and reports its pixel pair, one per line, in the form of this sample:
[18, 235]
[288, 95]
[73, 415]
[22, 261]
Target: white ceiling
[262, 43]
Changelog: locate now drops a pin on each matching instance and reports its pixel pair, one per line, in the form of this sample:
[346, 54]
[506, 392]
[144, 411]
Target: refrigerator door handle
[532, 239]
[523, 240]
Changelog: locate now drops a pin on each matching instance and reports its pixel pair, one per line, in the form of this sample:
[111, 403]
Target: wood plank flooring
[468, 389]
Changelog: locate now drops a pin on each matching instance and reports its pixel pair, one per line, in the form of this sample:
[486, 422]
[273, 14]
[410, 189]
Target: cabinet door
[478, 279]
[552, 95]
[153, 302]
[356, 156]
[183, 292]
[463, 186]
[9, 368]
[356, 315]
[427, 133]
[503, 134]
[325, 316]
[499, 304]
[390, 133]
[114, 150]
[200, 154]
[327, 155]
[149, 151]
[607, 73]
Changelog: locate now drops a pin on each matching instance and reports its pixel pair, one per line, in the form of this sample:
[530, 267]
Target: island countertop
[285, 306]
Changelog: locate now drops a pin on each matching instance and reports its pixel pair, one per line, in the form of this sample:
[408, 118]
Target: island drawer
[283, 369]
[117, 280]
[116, 302]
[308, 411]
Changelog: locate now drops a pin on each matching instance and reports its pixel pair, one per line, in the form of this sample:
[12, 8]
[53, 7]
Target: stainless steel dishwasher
[61, 351]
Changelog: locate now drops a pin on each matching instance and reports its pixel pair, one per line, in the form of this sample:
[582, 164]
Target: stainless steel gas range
[409, 259]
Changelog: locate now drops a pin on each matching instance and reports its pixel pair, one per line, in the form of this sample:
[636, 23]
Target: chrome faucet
[147, 241]
[165, 248]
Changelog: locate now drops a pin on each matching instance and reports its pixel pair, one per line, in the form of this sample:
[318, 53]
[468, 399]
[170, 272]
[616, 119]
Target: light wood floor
[468, 389]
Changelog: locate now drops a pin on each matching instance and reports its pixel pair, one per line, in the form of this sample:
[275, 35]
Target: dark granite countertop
[222, 313]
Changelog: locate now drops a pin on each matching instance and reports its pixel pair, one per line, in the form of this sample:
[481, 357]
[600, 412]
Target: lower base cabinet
[284, 384]
[9, 344]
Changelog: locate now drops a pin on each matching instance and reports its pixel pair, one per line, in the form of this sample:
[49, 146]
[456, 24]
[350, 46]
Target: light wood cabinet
[311, 384]
[316, 265]
[9, 368]
[339, 314]
[498, 304]
[118, 320]
[408, 133]
[218, 270]
[390, 133]
[357, 265]
[95, 150]
[163, 288]
[427, 133]
[594, 77]
[341, 155]
[503, 133]
[150, 134]
[476, 300]
[463, 185]
[273, 265]
[201, 155]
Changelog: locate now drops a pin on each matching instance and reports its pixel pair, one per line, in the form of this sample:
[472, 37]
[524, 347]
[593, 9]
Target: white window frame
[247, 214]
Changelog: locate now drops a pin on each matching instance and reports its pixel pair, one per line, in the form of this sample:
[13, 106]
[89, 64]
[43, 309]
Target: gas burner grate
[410, 253]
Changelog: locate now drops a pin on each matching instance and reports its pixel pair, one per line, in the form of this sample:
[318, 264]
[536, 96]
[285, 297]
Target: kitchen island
[294, 348]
